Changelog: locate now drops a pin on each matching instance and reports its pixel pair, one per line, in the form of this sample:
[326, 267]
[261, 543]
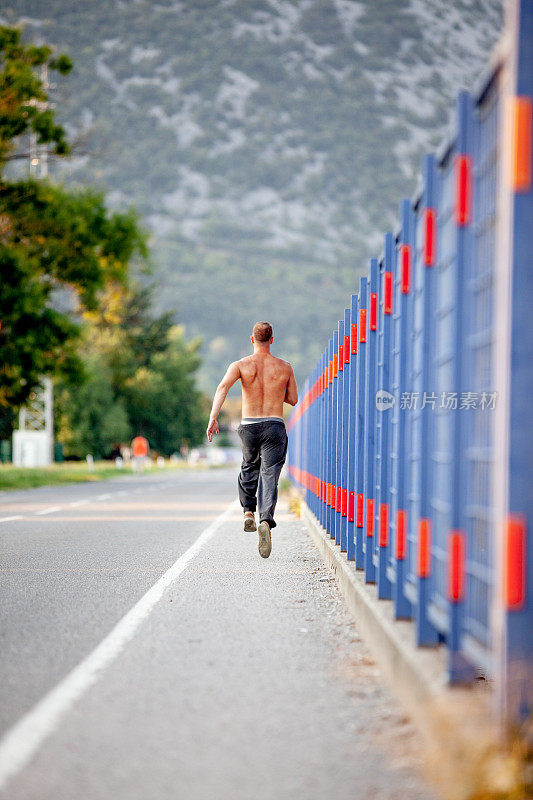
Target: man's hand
[212, 428]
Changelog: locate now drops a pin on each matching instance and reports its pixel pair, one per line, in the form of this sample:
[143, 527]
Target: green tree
[141, 378]
[162, 400]
[58, 248]
[58, 251]
[89, 418]
[23, 95]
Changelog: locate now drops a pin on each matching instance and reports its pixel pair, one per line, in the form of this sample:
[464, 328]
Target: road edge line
[24, 738]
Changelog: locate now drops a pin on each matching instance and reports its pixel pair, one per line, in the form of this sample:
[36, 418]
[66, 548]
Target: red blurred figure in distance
[140, 450]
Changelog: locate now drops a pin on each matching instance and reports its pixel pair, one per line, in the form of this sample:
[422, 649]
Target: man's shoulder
[245, 364]
[282, 363]
[245, 361]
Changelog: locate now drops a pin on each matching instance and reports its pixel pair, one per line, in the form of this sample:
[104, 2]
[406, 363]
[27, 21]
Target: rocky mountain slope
[267, 143]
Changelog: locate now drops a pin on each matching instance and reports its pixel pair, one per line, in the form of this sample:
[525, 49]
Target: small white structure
[33, 443]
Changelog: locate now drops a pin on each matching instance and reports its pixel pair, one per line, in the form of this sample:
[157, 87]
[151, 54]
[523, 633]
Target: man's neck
[261, 348]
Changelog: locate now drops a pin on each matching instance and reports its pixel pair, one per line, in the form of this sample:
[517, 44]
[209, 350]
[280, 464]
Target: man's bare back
[267, 382]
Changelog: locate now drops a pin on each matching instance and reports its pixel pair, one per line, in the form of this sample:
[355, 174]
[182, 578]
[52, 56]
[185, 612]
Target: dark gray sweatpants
[264, 447]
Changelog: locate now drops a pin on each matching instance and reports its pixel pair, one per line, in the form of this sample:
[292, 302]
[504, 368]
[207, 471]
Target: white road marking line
[22, 741]
[47, 511]
[77, 503]
[103, 496]
[8, 519]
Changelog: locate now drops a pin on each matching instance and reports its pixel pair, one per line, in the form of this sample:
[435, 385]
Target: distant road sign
[139, 446]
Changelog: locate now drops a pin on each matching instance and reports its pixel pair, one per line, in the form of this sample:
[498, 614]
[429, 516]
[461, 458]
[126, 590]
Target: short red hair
[262, 331]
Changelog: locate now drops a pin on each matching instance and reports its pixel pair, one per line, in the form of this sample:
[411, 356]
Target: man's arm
[291, 393]
[233, 374]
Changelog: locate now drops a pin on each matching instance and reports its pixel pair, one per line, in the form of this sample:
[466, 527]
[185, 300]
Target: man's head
[262, 333]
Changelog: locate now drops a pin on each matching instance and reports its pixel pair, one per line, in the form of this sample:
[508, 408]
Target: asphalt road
[147, 651]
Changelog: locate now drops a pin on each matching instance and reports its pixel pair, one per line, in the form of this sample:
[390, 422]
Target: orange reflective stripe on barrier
[405, 261]
[430, 235]
[424, 548]
[373, 311]
[515, 567]
[369, 517]
[344, 503]
[360, 510]
[351, 506]
[521, 144]
[383, 524]
[362, 326]
[401, 528]
[463, 190]
[387, 293]
[353, 342]
[456, 566]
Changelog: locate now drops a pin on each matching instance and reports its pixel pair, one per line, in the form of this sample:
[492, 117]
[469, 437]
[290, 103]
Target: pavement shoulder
[246, 679]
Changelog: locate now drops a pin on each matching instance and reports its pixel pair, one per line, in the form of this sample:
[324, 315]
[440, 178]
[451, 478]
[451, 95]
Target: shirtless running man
[267, 382]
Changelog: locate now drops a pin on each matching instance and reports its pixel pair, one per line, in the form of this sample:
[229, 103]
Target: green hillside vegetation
[266, 144]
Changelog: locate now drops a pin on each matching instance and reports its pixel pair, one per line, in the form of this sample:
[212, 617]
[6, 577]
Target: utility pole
[33, 443]
[38, 166]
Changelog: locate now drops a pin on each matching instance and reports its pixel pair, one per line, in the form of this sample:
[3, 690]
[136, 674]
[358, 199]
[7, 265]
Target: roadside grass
[69, 472]
[284, 485]
[292, 496]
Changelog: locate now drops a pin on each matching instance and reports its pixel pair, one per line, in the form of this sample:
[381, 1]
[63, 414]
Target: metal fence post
[332, 443]
[384, 416]
[401, 312]
[360, 349]
[340, 423]
[322, 437]
[426, 633]
[345, 422]
[459, 669]
[311, 439]
[329, 432]
[370, 406]
[352, 443]
[516, 645]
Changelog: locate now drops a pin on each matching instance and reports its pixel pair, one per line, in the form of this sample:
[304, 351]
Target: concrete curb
[465, 757]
